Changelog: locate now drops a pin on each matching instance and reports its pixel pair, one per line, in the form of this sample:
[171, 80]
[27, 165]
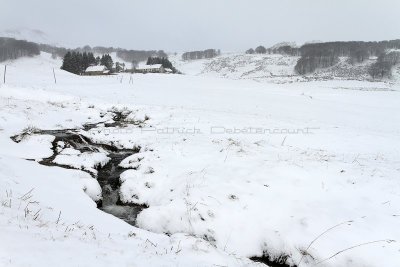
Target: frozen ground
[230, 169]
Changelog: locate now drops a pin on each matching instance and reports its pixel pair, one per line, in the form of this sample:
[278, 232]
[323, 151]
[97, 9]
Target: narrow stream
[107, 175]
[108, 178]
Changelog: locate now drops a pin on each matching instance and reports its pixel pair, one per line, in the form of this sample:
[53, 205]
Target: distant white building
[168, 70]
[96, 70]
[156, 68]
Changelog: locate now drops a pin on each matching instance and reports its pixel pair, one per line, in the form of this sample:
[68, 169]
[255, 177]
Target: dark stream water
[107, 175]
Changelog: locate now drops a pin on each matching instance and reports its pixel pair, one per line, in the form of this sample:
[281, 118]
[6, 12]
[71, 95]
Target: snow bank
[86, 161]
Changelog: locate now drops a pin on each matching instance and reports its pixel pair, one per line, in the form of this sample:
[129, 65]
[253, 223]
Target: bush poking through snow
[25, 132]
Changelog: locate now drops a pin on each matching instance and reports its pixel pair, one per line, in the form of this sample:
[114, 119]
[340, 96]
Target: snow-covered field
[230, 169]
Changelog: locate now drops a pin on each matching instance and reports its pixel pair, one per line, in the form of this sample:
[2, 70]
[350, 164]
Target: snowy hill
[31, 35]
[273, 68]
[239, 66]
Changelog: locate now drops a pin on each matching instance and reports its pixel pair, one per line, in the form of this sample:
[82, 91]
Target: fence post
[54, 74]
[5, 71]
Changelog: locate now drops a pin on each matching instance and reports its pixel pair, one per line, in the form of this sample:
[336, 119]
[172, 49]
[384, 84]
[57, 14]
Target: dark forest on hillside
[13, 49]
[322, 55]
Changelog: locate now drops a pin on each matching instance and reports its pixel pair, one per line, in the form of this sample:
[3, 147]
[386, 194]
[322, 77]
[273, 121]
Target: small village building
[156, 68]
[168, 70]
[96, 70]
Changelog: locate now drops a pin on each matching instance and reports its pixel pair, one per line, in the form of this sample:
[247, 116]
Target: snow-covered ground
[273, 68]
[230, 169]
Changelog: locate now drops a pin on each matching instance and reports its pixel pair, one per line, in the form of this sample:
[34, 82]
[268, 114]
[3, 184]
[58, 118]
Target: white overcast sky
[182, 25]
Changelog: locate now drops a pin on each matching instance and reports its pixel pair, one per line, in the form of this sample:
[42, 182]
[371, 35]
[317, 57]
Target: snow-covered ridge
[32, 35]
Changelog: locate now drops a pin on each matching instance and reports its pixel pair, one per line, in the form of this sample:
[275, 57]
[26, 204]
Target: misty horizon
[178, 26]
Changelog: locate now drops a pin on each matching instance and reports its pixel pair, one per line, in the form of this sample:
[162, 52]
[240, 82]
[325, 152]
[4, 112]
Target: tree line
[11, 48]
[208, 53]
[322, 55]
[283, 49]
[134, 56]
[320, 58]
[77, 62]
[382, 68]
[125, 54]
[259, 50]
